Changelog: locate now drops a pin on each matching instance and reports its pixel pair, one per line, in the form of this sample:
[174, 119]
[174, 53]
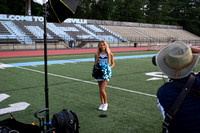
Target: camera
[154, 60]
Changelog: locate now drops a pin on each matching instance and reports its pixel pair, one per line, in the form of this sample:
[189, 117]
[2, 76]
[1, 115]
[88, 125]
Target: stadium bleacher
[31, 32]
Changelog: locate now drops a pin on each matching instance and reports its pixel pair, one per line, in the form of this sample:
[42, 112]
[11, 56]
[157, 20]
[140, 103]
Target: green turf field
[131, 95]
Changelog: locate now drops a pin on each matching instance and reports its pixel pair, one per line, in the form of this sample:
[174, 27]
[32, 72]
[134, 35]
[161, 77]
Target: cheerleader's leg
[103, 96]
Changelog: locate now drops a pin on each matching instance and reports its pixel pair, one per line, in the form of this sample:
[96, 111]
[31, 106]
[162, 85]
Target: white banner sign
[38, 19]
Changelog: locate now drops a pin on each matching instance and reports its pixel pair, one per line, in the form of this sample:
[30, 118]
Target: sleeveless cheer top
[103, 58]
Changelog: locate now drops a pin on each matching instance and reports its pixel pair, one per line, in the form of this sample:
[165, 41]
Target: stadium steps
[65, 32]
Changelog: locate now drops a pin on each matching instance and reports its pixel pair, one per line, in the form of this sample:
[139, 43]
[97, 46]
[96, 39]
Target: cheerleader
[104, 58]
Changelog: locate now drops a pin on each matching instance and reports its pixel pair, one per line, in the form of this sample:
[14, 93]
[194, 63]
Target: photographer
[177, 61]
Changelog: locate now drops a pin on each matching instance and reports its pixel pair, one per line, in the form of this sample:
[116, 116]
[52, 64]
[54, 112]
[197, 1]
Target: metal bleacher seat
[59, 31]
[28, 32]
[112, 31]
[183, 35]
[14, 29]
[94, 28]
[38, 32]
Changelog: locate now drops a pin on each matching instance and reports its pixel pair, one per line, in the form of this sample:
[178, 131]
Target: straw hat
[176, 60]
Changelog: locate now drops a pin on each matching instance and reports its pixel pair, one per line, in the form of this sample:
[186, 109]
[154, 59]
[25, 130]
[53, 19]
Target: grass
[128, 112]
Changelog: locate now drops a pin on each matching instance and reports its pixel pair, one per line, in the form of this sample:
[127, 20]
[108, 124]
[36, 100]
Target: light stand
[45, 61]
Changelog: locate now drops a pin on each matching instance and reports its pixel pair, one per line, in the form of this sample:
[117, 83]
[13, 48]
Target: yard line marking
[14, 107]
[2, 65]
[3, 97]
[122, 89]
[73, 60]
[85, 81]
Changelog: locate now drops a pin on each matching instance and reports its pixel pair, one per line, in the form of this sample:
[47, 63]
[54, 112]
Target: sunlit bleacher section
[15, 29]
[32, 32]
[157, 35]
[6, 36]
[25, 30]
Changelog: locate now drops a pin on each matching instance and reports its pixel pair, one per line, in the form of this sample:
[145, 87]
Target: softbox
[59, 10]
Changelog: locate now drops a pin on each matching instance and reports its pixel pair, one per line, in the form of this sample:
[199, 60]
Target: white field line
[89, 82]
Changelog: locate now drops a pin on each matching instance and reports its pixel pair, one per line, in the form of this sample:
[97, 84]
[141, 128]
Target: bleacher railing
[54, 42]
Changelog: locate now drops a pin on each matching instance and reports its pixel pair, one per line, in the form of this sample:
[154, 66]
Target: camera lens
[154, 60]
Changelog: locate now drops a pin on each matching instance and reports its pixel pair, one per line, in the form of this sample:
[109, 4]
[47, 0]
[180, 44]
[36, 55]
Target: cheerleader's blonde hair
[108, 52]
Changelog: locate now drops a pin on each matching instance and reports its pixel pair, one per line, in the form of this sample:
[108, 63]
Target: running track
[67, 51]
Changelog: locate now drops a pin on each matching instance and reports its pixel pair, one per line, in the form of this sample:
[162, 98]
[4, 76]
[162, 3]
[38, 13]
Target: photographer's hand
[195, 49]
